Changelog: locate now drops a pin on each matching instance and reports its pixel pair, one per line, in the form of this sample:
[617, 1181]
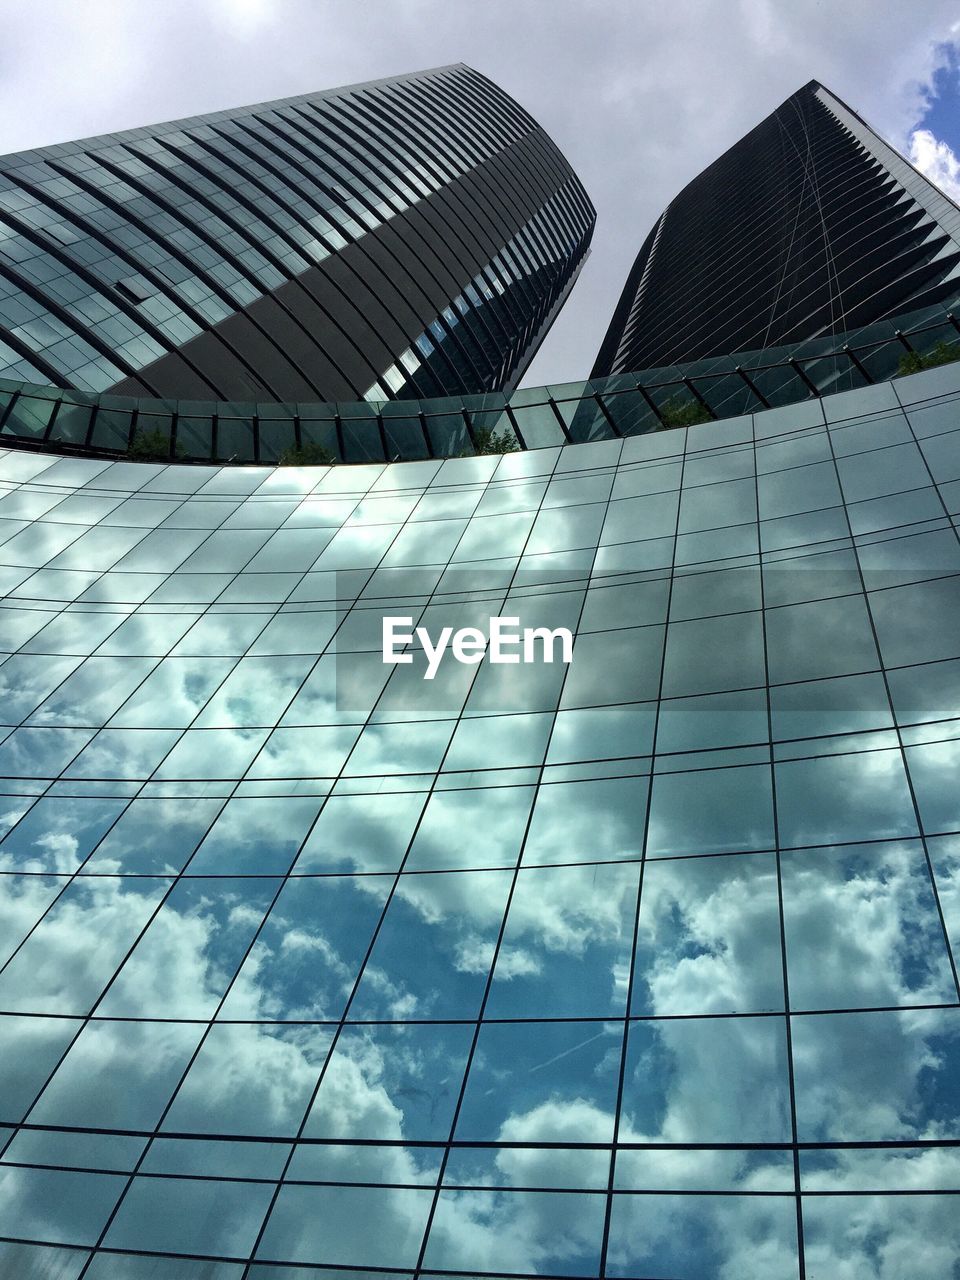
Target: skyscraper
[408, 237]
[638, 965]
[810, 225]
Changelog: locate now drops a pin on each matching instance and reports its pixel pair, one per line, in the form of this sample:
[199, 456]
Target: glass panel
[874, 1077]
[863, 928]
[707, 1236]
[709, 937]
[334, 1223]
[566, 944]
[711, 811]
[707, 1080]
[190, 1216]
[844, 797]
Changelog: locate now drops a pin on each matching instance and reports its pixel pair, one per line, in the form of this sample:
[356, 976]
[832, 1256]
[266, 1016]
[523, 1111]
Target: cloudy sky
[640, 95]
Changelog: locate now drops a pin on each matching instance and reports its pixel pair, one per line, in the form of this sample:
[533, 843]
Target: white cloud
[937, 160]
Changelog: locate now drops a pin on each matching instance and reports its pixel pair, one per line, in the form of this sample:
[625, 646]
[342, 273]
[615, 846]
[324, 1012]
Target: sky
[638, 94]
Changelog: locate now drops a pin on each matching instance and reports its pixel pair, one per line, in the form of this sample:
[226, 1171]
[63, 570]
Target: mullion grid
[228, 791]
[420, 1268]
[791, 1083]
[376, 933]
[223, 998]
[48, 790]
[920, 836]
[898, 728]
[503, 922]
[707, 569]
[182, 875]
[618, 1111]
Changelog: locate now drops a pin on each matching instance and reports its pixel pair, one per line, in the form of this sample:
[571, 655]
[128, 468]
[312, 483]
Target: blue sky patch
[942, 116]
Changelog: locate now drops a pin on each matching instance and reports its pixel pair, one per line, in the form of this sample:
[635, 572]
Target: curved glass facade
[636, 967]
[413, 236]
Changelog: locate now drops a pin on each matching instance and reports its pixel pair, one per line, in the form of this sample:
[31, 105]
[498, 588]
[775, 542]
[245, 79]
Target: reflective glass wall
[638, 967]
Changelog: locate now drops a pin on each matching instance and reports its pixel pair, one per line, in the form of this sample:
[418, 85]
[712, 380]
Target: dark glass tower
[809, 225]
[412, 236]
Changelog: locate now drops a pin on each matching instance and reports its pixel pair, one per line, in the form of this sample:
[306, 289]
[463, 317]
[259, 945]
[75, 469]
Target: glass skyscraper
[639, 966]
[810, 225]
[412, 236]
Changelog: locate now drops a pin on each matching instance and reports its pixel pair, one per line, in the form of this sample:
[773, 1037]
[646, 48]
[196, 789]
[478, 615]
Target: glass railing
[405, 430]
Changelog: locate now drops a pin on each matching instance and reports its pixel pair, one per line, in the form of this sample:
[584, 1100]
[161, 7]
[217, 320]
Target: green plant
[682, 413]
[486, 440]
[307, 455]
[152, 446]
[942, 353]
